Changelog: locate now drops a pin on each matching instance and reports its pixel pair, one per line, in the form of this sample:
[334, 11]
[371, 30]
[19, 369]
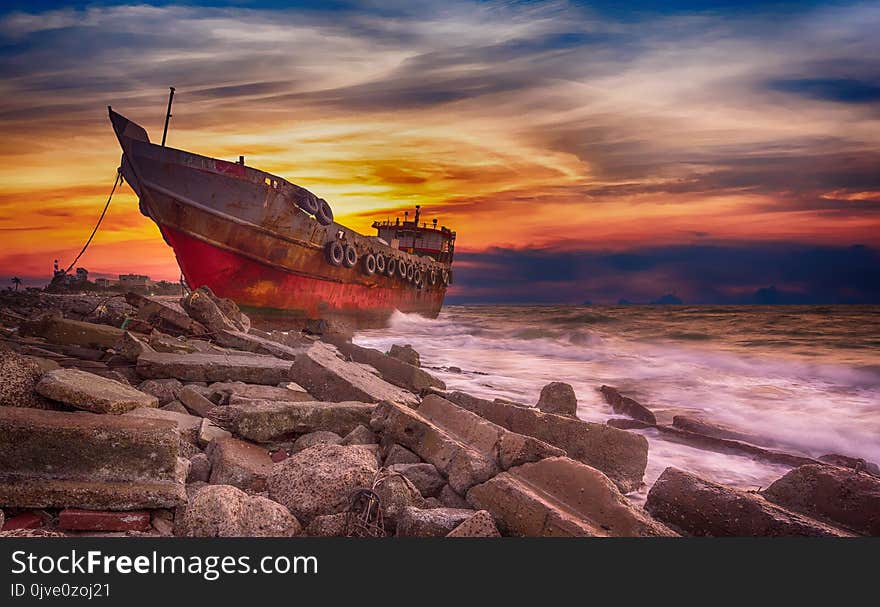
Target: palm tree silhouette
[16, 281]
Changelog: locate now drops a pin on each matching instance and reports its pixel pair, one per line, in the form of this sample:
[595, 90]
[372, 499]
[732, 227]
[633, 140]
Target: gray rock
[320, 479]
[239, 463]
[450, 499]
[841, 496]
[558, 397]
[481, 524]
[248, 368]
[195, 402]
[398, 454]
[20, 376]
[424, 476]
[130, 347]
[406, 354]
[263, 421]
[327, 525]
[627, 406]
[436, 522]
[175, 406]
[226, 511]
[209, 431]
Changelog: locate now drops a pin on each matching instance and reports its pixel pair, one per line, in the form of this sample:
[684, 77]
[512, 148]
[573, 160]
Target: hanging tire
[351, 257]
[410, 272]
[369, 264]
[432, 277]
[401, 269]
[444, 277]
[380, 263]
[418, 276]
[391, 267]
[335, 253]
[308, 203]
[324, 214]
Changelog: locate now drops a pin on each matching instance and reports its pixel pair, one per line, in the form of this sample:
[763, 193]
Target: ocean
[805, 379]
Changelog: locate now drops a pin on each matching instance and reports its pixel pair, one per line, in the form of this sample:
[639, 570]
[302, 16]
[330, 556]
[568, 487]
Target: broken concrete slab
[842, 496]
[209, 431]
[248, 368]
[56, 444]
[19, 378]
[696, 506]
[621, 455]
[560, 497]
[164, 389]
[392, 370]
[91, 392]
[252, 343]
[187, 425]
[130, 347]
[463, 446]
[85, 460]
[424, 476]
[201, 305]
[319, 437]
[322, 372]
[627, 406]
[195, 402]
[262, 420]
[59, 330]
[239, 463]
[224, 393]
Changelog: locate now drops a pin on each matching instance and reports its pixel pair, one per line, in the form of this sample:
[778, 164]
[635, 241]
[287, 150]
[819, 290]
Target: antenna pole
[167, 115]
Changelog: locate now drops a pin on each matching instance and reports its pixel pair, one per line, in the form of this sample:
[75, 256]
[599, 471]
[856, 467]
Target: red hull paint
[275, 292]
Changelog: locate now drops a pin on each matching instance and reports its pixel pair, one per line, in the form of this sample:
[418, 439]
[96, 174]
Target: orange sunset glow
[529, 129]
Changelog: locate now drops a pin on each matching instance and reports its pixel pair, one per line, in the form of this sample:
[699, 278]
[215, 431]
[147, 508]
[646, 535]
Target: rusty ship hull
[243, 233]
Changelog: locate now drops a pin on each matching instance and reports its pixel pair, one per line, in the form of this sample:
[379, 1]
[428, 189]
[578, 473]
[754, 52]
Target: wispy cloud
[520, 124]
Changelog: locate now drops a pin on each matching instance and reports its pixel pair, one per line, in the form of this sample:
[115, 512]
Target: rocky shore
[146, 416]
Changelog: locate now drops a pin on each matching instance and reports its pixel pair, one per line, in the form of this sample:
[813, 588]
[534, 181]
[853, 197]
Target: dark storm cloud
[731, 273]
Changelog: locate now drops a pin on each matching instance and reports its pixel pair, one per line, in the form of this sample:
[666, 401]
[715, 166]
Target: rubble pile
[143, 416]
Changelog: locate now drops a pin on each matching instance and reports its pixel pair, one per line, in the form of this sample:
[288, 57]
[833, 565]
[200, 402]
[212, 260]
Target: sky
[582, 151]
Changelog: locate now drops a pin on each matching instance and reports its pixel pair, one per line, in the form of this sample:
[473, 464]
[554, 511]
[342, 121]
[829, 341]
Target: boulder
[561, 497]
[695, 506]
[621, 455]
[239, 463]
[92, 392]
[263, 421]
[405, 354]
[397, 454]
[392, 370]
[627, 406]
[226, 393]
[396, 493]
[20, 376]
[83, 460]
[433, 522]
[322, 372]
[319, 437]
[249, 368]
[480, 524]
[199, 469]
[327, 525]
[163, 389]
[424, 476]
[226, 511]
[361, 435]
[320, 479]
[558, 397]
[842, 496]
[216, 314]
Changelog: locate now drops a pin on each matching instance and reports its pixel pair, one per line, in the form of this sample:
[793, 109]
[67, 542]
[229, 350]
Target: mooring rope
[97, 225]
